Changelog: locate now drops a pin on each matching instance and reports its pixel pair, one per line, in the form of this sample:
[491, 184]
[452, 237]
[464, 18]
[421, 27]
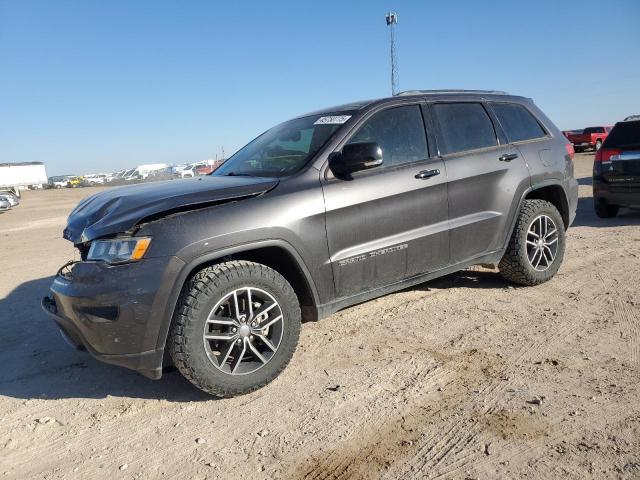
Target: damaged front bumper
[113, 311]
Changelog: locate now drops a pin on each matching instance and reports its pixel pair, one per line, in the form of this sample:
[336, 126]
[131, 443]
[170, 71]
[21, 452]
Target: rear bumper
[116, 313]
[623, 196]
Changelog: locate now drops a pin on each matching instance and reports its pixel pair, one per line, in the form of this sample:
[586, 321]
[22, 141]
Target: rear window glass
[624, 135]
[517, 122]
[594, 130]
[463, 126]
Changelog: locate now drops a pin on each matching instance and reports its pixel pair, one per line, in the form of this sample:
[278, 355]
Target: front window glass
[399, 132]
[284, 149]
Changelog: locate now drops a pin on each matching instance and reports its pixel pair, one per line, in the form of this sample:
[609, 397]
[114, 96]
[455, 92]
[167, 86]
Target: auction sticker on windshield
[332, 120]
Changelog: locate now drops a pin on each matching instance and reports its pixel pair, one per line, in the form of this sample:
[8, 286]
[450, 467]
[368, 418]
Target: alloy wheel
[243, 331]
[542, 242]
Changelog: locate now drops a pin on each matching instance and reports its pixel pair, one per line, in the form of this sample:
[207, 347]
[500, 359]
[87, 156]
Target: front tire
[598, 145]
[235, 328]
[537, 245]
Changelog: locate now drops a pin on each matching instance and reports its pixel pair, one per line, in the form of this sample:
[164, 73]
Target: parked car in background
[117, 175]
[4, 205]
[94, 179]
[60, 181]
[209, 167]
[204, 169]
[632, 117]
[74, 182]
[11, 198]
[143, 171]
[188, 172]
[616, 170]
[566, 133]
[130, 175]
[591, 137]
[321, 212]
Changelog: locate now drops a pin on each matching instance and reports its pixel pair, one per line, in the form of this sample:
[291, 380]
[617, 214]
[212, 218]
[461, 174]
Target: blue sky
[91, 85]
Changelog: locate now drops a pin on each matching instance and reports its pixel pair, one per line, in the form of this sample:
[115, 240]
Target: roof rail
[448, 91]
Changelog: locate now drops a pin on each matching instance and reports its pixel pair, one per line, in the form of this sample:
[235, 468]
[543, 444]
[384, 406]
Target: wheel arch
[553, 193]
[276, 254]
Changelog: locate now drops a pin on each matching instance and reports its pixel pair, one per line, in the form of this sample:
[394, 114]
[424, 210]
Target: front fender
[173, 292]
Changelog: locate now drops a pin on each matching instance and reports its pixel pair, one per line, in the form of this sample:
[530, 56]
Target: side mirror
[356, 157]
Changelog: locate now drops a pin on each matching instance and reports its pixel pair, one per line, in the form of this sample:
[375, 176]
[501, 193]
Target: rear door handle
[424, 174]
[507, 157]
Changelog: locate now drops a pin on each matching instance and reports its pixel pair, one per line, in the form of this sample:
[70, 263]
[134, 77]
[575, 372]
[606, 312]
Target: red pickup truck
[591, 137]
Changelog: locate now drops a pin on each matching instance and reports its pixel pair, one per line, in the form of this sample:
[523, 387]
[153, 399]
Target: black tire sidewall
[548, 209]
[207, 376]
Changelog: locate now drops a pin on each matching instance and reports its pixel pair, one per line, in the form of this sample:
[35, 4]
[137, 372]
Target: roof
[449, 94]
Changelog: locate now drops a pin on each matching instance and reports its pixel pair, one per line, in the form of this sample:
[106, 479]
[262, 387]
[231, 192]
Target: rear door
[390, 222]
[484, 174]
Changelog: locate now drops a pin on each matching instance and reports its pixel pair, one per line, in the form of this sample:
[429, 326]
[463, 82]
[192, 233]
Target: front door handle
[424, 174]
[507, 157]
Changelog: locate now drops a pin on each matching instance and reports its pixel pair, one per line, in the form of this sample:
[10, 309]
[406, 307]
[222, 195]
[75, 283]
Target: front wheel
[235, 329]
[537, 245]
[598, 145]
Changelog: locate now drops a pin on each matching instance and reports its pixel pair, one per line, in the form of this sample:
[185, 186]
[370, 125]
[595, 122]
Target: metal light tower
[392, 19]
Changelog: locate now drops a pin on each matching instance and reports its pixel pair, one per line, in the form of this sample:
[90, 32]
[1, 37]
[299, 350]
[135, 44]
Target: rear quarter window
[462, 127]
[519, 124]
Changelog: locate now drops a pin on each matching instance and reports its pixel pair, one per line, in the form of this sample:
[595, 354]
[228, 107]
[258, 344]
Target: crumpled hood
[119, 209]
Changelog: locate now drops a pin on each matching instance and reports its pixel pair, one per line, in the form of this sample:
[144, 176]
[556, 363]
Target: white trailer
[19, 176]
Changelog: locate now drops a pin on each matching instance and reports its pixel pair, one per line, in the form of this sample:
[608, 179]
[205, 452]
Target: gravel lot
[462, 377]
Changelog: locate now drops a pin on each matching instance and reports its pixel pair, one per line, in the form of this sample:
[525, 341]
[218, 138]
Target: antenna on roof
[392, 19]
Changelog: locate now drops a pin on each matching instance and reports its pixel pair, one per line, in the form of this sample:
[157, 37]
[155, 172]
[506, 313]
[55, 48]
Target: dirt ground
[462, 377]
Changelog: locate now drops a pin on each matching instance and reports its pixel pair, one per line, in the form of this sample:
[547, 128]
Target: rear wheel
[605, 210]
[236, 327]
[537, 244]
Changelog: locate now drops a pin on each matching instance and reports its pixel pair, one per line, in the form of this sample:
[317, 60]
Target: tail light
[570, 150]
[604, 154]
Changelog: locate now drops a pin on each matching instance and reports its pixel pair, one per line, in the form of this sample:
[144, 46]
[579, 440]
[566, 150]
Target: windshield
[284, 149]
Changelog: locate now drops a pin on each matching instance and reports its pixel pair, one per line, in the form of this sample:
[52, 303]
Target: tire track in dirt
[627, 315]
[459, 436]
[367, 445]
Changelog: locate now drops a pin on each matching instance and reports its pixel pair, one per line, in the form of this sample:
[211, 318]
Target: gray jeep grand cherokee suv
[323, 211]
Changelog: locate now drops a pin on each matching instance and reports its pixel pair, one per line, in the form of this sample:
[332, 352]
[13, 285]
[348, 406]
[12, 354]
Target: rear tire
[537, 244]
[210, 307]
[604, 210]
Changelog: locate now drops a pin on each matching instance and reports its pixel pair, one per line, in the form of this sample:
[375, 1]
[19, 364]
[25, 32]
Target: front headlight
[119, 250]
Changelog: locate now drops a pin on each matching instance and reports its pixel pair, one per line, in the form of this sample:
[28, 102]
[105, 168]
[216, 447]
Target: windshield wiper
[237, 174]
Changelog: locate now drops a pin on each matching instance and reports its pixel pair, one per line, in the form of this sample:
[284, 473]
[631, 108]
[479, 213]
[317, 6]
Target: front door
[388, 223]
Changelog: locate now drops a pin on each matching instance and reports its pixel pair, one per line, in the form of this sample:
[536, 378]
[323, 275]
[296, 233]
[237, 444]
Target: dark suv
[323, 211]
[616, 169]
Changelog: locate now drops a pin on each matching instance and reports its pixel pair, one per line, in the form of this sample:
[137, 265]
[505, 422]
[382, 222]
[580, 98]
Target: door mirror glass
[356, 157]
